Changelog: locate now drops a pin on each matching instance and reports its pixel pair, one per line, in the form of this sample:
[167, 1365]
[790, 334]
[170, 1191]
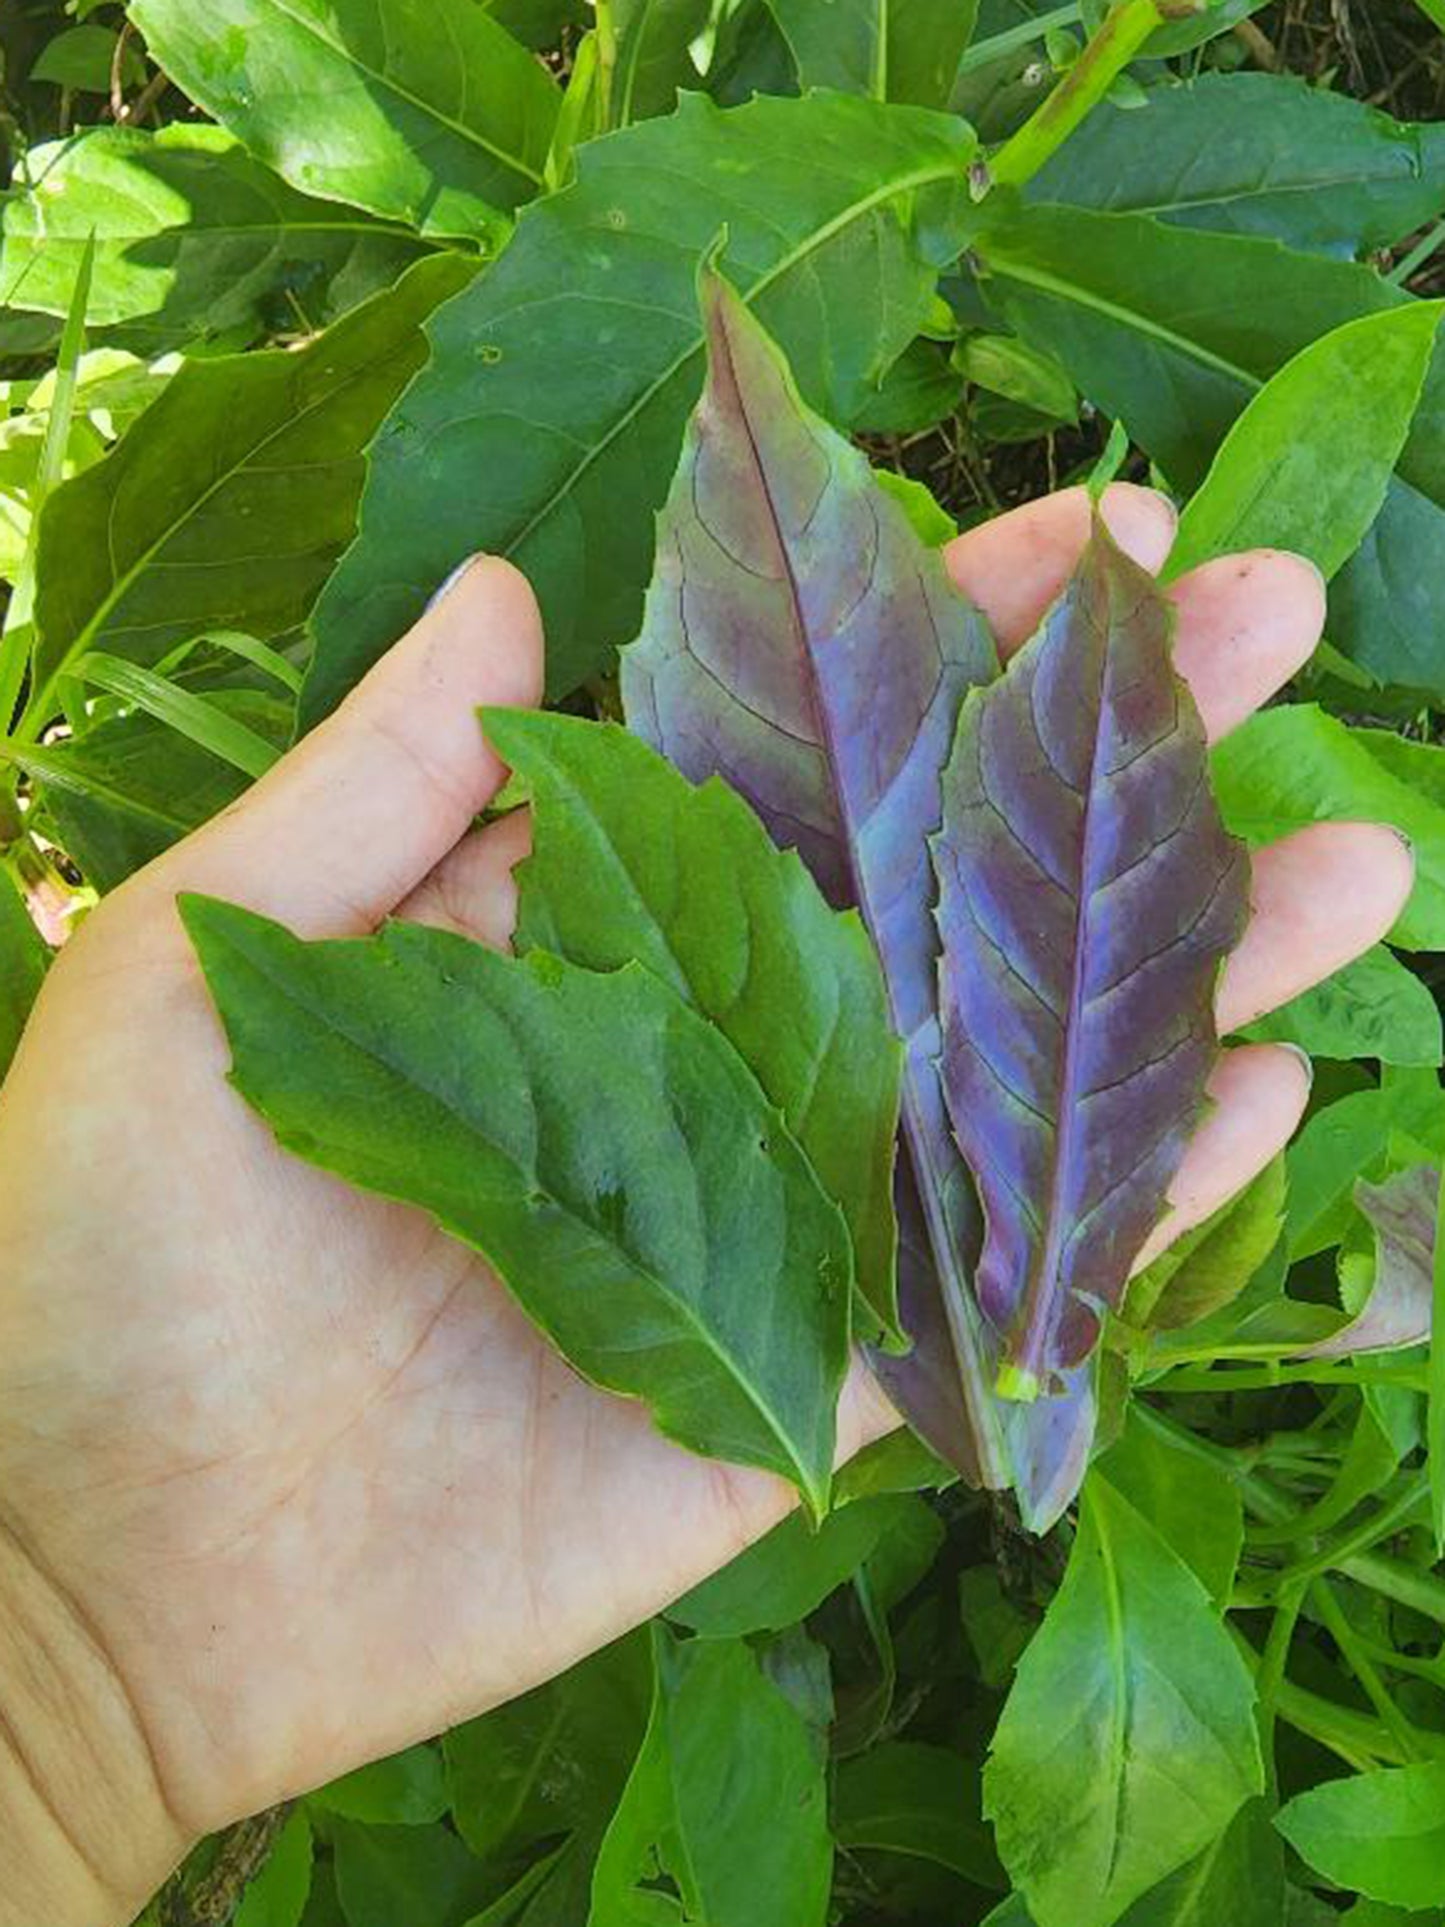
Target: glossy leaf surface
[692, 1262]
[193, 237]
[1131, 1672]
[629, 860]
[802, 644]
[1087, 896]
[434, 114]
[259, 456]
[836, 207]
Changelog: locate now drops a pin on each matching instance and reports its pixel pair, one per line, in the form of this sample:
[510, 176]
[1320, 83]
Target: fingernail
[1407, 842]
[1306, 1061]
[451, 582]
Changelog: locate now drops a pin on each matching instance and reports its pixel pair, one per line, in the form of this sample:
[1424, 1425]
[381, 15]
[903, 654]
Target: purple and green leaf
[1088, 895]
[800, 642]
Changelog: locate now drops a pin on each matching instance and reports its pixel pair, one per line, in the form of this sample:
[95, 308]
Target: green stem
[1413, 1497]
[606, 62]
[1332, 1616]
[1270, 1678]
[1001, 46]
[1418, 256]
[1080, 90]
[1266, 1378]
[1422, 1592]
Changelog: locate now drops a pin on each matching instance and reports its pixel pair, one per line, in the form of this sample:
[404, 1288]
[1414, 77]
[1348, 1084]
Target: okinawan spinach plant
[303, 301]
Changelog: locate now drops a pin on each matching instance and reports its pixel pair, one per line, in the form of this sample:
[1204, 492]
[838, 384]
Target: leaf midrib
[922, 177]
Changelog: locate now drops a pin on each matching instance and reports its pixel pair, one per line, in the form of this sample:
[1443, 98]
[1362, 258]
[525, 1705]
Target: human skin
[286, 1480]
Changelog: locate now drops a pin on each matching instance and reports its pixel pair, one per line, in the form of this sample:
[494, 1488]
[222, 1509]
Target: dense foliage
[719, 317]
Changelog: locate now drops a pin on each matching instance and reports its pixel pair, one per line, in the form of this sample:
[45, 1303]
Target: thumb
[351, 820]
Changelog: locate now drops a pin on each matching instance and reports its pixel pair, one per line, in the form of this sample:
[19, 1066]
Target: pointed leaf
[601, 1145]
[1131, 1673]
[433, 114]
[1381, 1834]
[748, 940]
[24, 960]
[1087, 896]
[802, 643]
[227, 504]
[837, 212]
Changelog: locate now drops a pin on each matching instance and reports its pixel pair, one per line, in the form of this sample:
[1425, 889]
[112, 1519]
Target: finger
[349, 822]
[1259, 1093]
[1016, 566]
[1321, 897]
[1247, 623]
[472, 890]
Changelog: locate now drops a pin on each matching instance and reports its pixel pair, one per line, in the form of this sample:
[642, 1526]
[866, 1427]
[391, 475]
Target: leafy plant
[720, 317]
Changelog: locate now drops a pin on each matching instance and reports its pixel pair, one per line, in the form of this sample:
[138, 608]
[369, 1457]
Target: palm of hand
[316, 1483]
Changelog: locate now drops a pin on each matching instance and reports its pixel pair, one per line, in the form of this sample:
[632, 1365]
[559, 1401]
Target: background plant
[211, 320]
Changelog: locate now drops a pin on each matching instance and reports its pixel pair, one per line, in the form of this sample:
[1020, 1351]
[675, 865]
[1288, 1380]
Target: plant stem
[999, 46]
[1418, 256]
[1265, 1378]
[1080, 90]
[606, 62]
[1322, 1596]
[1413, 1496]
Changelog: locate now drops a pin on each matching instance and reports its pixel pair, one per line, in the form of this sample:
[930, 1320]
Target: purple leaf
[1088, 894]
[1403, 1212]
[802, 643]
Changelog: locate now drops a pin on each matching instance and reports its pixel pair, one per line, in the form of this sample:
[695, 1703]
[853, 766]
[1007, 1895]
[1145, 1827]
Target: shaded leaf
[1087, 895]
[697, 1265]
[788, 1573]
[24, 960]
[834, 208]
[406, 1789]
[239, 462]
[1131, 1672]
[555, 1760]
[386, 1875]
[1307, 464]
[1373, 1007]
[434, 115]
[1192, 1504]
[906, 1797]
[193, 237]
[785, 581]
[630, 861]
[1239, 1878]
[653, 57]
[1347, 1138]
[727, 1798]
[1261, 154]
[906, 50]
[1381, 1834]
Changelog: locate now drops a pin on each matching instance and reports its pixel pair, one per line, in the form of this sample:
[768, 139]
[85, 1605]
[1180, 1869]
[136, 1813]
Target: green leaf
[1435, 1427]
[1381, 1834]
[1238, 1880]
[653, 58]
[1191, 1503]
[1210, 1265]
[727, 1798]
[201, 721]
[82, 58]
[906, 1797]
[433, 114]
[24, 960]
[555, 1760]
[1263, 154]
[591, 404]
[389, 1875]
[1130, 1674]
[229, 501]
[193, 237]
[1307, 464]
[1294, 765]
[788, 1573]
[930, 522]
[277, 1896]
[793, 985]
[1373, 1007]
[697, 1265]
[1345, 1141]
[407, 1789]
[906, 50]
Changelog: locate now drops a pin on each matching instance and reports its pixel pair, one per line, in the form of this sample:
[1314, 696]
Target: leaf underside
[1088, 894]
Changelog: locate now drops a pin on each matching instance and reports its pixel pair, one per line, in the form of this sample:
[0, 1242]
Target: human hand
[286, 1481]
